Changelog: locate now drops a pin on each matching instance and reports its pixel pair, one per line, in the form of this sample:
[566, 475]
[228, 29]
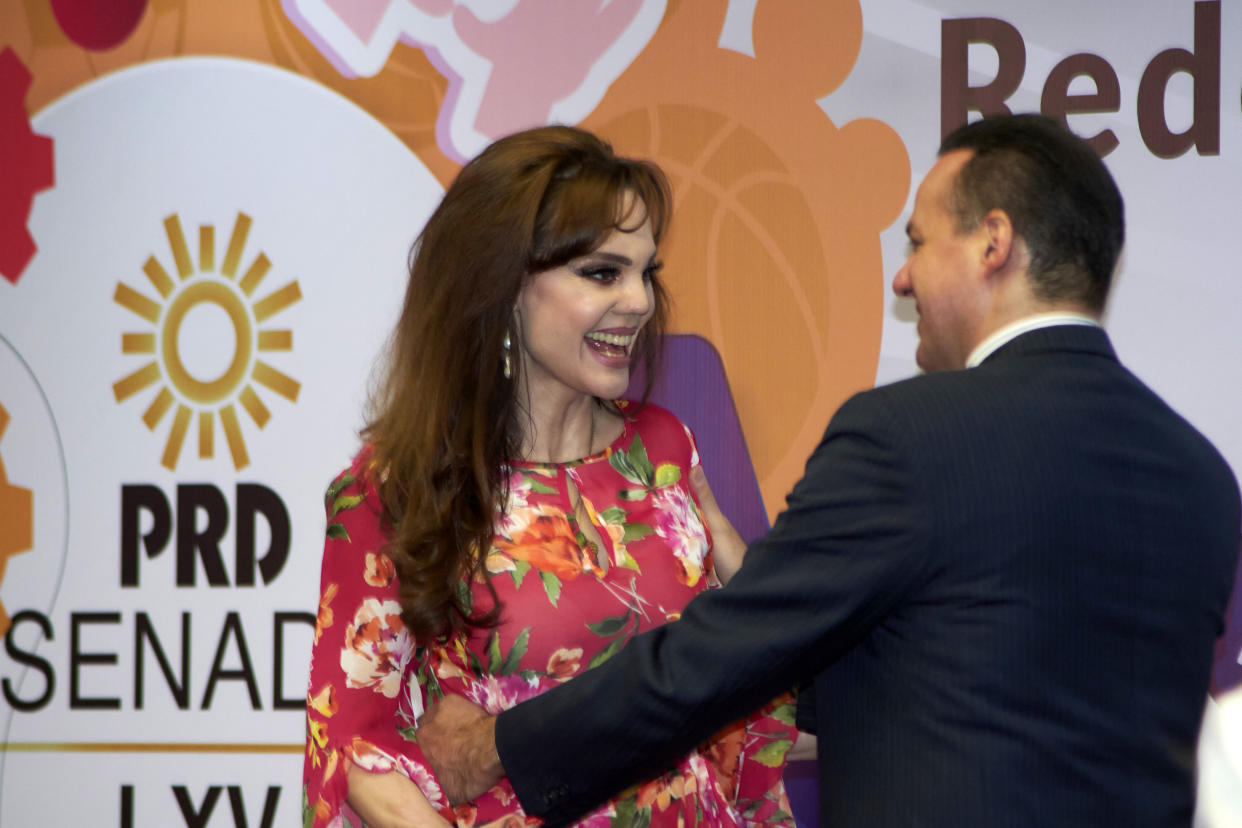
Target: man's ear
[998, 236]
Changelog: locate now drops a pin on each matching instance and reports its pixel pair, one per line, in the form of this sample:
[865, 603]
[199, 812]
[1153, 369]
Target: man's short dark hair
[1057, 192]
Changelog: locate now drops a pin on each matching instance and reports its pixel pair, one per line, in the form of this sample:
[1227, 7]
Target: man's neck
[1033, 321]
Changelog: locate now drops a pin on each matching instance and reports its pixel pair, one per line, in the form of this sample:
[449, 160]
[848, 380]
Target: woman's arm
[390, 800]
[807, 747]
[728, 548]
[361, 680]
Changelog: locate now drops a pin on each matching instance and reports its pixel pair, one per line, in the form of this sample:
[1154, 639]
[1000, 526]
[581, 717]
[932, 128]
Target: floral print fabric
[568, 604]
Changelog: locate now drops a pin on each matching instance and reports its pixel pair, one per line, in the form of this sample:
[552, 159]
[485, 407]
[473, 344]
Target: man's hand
[459, 740]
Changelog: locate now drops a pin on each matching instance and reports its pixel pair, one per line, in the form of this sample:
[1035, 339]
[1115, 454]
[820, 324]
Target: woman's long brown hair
[444, 419]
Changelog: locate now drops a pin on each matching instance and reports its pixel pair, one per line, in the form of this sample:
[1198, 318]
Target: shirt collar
[1027, 324]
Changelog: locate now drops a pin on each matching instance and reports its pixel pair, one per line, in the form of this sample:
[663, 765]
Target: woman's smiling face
[578, 322]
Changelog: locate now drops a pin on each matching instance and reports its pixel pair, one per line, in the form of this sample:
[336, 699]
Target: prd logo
[188, 369]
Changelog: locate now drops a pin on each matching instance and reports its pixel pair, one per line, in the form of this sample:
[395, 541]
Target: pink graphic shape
[363, 16]
[510, 64]
[541, 53]
[28, 164]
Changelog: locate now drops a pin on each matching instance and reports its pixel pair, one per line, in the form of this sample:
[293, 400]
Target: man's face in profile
[941, 271]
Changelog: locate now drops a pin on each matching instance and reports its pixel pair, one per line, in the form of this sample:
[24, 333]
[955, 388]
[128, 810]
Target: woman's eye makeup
[608, 272]
[599, 272]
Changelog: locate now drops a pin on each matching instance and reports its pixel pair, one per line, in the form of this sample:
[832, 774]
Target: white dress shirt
[1024, 325]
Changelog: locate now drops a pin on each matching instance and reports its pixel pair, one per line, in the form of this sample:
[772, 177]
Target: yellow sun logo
[194, 292]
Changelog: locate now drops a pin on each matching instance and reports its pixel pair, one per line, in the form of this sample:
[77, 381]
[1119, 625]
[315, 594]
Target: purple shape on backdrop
[692, 384]
[802, 788]
[1227, 672]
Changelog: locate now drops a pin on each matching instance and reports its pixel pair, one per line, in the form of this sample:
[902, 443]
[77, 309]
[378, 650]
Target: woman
[533, 288]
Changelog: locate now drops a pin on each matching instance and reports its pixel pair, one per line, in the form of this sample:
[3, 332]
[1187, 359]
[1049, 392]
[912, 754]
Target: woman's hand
[390, 799]
[727, 545]
[806, 747]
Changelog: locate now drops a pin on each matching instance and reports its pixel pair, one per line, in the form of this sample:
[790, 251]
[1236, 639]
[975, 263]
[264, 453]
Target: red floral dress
[567, 607]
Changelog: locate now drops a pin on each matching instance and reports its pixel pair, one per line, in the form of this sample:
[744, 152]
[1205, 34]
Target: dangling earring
[505, 352]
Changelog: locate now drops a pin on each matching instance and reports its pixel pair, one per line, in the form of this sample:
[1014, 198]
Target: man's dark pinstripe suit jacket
[1003, 585]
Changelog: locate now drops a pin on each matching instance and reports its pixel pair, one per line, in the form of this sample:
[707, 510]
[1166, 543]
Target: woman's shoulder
[355, 484]
[649, 417]
[659, 427]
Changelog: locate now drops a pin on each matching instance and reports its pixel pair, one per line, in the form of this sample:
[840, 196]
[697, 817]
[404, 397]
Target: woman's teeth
[612, 339]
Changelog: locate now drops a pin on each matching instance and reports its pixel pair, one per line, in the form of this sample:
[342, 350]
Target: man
[1004, 577]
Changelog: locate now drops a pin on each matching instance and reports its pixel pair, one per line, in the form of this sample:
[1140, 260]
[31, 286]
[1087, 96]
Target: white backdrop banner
[205, 214]
[184, 367]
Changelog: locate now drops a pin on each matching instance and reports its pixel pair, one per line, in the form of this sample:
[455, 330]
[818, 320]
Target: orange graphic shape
[16, 521]
[774, 254]
[405, 96]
